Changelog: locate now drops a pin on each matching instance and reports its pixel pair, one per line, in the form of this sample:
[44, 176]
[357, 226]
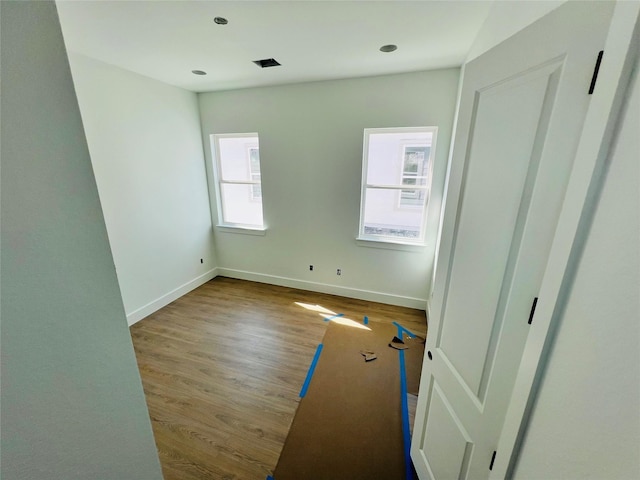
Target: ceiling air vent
[267, 62]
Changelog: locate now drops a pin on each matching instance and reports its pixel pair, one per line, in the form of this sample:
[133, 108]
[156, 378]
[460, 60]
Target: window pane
[391, 156]
[411, 163]
[397, 172]
[413, 198]
[256, 191]
[238, 157]
[383, 217]
[410, 181]
[254, 160]
[240, 205]
[414, 158]
[254, 167]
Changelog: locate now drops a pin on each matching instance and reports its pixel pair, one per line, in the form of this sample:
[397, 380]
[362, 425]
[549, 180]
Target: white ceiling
[313, 40]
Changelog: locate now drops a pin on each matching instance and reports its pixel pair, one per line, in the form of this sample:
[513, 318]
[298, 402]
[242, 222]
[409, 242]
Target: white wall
[146, 150]
[311, 159]
[507, 17]
[585, 423]
[72, 402]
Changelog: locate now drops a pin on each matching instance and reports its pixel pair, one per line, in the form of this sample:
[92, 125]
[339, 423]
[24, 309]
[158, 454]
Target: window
[238, 180]
[396, 179]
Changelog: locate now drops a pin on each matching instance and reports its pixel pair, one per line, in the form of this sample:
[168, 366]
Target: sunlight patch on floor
[315, 308]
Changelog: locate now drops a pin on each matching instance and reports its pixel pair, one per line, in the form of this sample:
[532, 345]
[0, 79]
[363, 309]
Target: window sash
[253, 182]
[413, 189]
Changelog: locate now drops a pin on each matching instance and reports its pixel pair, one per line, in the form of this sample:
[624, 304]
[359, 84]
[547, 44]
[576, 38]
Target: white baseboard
[368, 295]
[166, 299]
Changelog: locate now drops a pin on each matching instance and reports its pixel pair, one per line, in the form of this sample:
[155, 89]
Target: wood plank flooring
[222, 368]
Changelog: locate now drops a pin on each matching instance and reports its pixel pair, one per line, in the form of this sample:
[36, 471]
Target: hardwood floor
[222, 368]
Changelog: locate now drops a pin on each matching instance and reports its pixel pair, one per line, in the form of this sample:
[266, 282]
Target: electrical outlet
[311, 268]
[339, 271]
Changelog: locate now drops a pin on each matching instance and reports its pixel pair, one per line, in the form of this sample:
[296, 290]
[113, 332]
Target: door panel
[451, 450]
[495, 180]
[521, 111]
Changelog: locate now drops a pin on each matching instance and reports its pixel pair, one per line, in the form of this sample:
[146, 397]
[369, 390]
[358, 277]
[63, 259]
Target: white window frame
[382, 239]
[219, 182]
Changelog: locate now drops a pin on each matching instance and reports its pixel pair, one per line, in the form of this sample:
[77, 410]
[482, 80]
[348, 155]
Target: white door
[521, 113]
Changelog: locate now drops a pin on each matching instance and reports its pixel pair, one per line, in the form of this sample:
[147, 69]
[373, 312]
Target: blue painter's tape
[326, 319]
[312, 367]
[366, 320]
[405, 419]
[402, 329]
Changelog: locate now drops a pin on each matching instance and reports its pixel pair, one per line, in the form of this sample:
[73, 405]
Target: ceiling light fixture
[198, 72]
[388, 48]
[221, 20]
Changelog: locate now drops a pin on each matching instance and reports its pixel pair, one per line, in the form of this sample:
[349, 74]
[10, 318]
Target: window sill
[390, 244]
[242, 230]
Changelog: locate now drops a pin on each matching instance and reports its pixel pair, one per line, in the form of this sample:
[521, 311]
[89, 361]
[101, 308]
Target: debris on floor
[368, 355]
[398, 344]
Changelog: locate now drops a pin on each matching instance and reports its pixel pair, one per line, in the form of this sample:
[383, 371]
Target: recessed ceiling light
[388, 48]
[198, 72]
[221, 20]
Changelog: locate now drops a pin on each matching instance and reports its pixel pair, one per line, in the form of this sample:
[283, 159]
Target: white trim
[593, 148]
[169, 297]
[242, 230]
[236, 135]
[398, 129]
[388, 298]
[397, 187]
[241, 182]
[390, 244]
[445, 191]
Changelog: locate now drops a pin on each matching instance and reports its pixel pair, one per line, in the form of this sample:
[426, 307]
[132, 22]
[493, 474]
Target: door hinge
[533, 310]
[595, 72]
[493, 459]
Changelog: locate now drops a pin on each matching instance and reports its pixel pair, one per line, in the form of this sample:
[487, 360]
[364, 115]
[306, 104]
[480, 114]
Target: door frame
[621, 49]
